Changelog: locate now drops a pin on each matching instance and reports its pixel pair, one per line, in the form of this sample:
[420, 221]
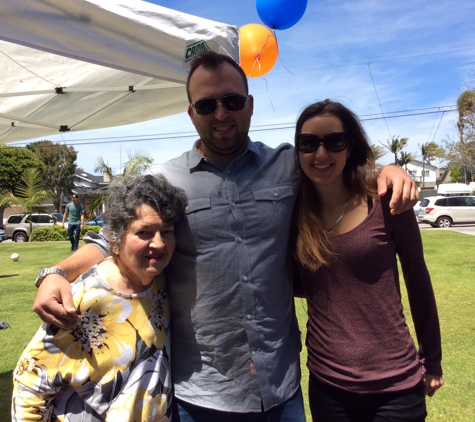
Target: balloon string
[268, 95]
[278, 53]
[256, 60]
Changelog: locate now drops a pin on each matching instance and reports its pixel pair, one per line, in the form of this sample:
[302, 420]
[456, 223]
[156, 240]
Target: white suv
[443, 211]
[17, 226]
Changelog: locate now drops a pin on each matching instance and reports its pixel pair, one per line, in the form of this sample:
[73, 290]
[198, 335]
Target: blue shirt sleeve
[99, 241]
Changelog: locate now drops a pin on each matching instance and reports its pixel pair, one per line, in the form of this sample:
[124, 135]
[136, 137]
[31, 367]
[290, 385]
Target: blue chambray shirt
[235, 338]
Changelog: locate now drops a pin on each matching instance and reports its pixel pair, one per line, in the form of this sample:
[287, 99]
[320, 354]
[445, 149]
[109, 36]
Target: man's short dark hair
[211, 60]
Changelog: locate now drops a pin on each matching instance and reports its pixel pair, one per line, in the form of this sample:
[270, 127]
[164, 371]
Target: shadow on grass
[6, 388]
[9, 275]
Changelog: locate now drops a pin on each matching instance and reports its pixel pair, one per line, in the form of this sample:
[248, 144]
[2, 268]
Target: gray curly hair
[128, 194]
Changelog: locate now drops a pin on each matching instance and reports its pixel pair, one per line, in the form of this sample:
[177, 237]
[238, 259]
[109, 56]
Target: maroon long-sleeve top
[357, 337]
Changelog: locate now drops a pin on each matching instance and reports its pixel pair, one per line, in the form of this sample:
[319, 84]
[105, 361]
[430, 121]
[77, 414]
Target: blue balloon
[280, 14]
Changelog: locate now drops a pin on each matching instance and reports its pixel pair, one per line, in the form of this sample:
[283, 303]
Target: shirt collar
[195, 158]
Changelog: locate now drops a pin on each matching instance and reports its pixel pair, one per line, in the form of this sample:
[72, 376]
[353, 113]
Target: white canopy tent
[71, 65]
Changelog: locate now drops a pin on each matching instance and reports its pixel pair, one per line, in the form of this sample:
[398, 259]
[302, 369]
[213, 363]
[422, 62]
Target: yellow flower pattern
[114, 365]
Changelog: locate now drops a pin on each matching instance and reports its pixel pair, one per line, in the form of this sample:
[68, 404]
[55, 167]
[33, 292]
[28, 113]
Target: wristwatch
[47, 271]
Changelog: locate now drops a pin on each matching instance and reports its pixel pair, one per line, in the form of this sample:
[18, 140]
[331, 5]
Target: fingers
[405, 193]
[66, 299]
[52, 317]
[432, 383]
[405, 196]
[54, 303]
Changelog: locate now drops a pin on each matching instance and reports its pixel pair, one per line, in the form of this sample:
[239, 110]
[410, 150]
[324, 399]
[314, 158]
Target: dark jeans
[331, 404]
[291, 410]
[73, 233]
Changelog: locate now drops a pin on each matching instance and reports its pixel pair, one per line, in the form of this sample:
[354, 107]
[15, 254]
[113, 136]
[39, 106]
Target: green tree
[13, 163]
[404, 159]
[395, 145]
[463, 152]
[429, 151]
[29, 194]
[378, 151]
[138, 161]
[457, 176]
[59, 167]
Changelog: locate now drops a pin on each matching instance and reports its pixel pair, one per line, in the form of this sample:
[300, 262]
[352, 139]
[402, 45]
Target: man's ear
[251, 103]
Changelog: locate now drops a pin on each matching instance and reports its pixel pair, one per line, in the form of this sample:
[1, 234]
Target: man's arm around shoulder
[54, 302]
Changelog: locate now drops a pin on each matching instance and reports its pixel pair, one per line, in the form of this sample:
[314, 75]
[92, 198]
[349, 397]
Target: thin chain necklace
[342, 214]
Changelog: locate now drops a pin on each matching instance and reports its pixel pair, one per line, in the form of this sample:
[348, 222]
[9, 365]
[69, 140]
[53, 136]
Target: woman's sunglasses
[231, 102]
[333, 142]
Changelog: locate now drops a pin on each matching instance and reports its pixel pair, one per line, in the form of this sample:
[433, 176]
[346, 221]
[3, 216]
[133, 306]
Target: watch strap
[47, 271]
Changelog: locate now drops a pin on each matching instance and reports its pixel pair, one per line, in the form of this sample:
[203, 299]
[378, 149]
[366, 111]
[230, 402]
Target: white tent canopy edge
[70, 65]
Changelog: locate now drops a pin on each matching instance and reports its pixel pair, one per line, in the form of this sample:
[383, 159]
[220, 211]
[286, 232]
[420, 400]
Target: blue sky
[410, 58]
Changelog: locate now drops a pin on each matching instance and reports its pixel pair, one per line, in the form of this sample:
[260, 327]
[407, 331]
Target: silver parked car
[444, 211]
[17, 226]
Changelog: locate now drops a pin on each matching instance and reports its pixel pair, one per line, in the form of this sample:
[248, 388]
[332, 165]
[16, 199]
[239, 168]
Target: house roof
[427, 166]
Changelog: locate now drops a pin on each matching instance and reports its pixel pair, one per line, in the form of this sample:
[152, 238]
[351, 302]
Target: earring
[115, 250]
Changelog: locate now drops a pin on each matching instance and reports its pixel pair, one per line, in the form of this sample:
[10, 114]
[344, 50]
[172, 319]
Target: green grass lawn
[450, 257]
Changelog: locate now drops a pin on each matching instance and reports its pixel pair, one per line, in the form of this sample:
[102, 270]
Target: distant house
[425, 175]
[86, 183]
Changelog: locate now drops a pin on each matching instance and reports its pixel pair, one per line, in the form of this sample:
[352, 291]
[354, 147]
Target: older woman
[114, 365]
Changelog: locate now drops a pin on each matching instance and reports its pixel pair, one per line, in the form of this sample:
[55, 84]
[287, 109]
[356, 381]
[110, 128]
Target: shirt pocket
[199, 219]
[274, 207]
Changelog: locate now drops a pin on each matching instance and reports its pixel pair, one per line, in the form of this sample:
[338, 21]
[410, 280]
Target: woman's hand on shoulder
[405, 194]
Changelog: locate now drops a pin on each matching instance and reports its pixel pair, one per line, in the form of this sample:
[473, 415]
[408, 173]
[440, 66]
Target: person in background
[362, 360]
[114, 364]
[236, 342]
[75, 211]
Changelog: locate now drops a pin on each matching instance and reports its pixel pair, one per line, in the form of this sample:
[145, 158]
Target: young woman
[362, 360]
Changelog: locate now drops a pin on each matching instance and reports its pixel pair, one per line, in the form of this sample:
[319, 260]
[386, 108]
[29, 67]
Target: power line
[258, 128]
[348, 63]
[379, 102]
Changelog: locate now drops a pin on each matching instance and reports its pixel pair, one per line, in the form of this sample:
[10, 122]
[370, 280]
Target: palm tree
[429, 151]
[103, 167]
[404, 159]
[466, 109]
[378, 151]
[138, 162]
[395, 145]
[30, 194]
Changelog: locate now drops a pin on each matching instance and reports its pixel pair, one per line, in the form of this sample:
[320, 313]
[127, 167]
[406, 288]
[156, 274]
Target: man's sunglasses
[231, 102]
[333, 142]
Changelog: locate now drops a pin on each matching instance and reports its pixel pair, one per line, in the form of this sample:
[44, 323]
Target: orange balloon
[258, 49]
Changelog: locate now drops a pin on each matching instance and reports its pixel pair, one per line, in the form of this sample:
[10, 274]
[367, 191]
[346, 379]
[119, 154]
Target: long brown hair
[310, 239]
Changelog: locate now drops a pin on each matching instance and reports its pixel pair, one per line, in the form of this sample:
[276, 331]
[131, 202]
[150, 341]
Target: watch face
[43, 273]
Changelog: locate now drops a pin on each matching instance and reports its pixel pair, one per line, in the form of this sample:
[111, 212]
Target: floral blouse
[113, 366]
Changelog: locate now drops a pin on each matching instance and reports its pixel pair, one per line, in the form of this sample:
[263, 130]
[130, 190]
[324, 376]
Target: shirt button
[253, 353]
[245, 278]
[249, 317]
[234, 204]
[276, 194]
[239, 240]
